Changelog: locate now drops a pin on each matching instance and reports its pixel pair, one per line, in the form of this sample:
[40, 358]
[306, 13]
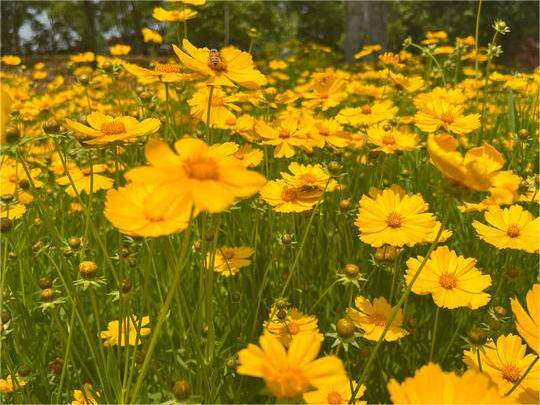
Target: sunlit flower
[293, 372]
[391, 140]
[439, 114]
[288, 323]
[367, 50]
[453, 281]
[10, 60]
[9, 385]
[335, 394]
[132, 328]
[510, 228]
[166, 72]
[85, 180]
[249, 156]
[284, 135]
[528, 322]
[367, 114]
[220, 110]
[150, 35]
[120, 50]
[372, 318]
[431, 385]
[160, 14]
[286, 198]
[227, 67]
[229, 260]
[86, 396]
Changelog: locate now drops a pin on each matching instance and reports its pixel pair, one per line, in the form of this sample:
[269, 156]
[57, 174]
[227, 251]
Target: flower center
[448, 281]
[366, 109]
[447, 118]
[333, 398]
[12, 178]
[513, 231]
[215, 61]
[227, 254]
[394, 220]
[511, 373]
[388, 139]
[201, 168]
[289, 194]
[293, 328]
[308, 178]
[113, 128]
[168, 68]
[217, 101]
[378, 319]
[284, 133]
[153, 218]
[288, 382]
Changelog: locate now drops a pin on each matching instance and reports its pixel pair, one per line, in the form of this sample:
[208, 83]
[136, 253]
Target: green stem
[476, 31]
[434, 336]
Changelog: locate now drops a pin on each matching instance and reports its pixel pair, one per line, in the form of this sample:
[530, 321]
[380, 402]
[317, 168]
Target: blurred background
[61, 27]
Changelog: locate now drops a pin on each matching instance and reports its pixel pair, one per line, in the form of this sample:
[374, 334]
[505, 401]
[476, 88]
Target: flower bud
[182, 389]
[51, 126]
[7, 198]
[477, 336]
[45, 282]
[345, 328]
[88, 269]
[286, 239]
[345, 204]
[5, 225]
[47, 294]
[351, 270]
[74, 242]
[12, 133]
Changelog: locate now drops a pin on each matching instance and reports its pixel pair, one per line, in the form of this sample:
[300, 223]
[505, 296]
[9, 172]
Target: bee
[214, 60]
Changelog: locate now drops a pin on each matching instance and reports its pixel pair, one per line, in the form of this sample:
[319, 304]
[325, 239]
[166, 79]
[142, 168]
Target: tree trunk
[90, 31]
[366, 24]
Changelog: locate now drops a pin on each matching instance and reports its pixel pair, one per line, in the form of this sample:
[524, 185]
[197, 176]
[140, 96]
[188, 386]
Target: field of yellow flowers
[204, 227]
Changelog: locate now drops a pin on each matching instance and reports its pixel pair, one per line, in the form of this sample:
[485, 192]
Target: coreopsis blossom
[392, 217]
[367, 50]
[453, 281]
[84, 57]
[431, 385]
[229, 260]
[166, 72]
[9, 385]
[220, 109]
[150, 35]
[132, 209]
[438, 114]
[288, 323]
[13, 176]
[326, 90]
[209, 176]
[105, 129]
[249, 156]
[335, 394]
[309, 177]
[120, 50]
[293, 372]
[329, 132]
[285, 134]
[372, 318]
[227, 67]
[85, 396]
[505, 362]
[12, 211]
[510, 228]
[479, 169]
[389, 139]
[528, 322]
[11, 60]
[286, 198]
[410, 84]
[85, 180]
[132, 327]
[160, 14]
[367, 114]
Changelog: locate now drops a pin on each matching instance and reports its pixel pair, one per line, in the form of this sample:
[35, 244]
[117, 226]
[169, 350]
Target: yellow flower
[410, 84]
[285, 134]
[309, 178]
[249, 156]
[286, 198]
[220, 114]
[505, 363]
[391, 59]
[330, 132]
[335, 394]
[166, 72]
[150, 35]
[11, 60]
[85, 396]
[160, 14]
[431, 385]
[326, 91]
[229, 260]
[439, 114]
[292, 324]
[227, 67]
[392, 217]
[120, 50]
[132, 210]
[105, 129]
[367, 114]
[453, 281]
[372, 318]
[12, 211]
[86, 180]
[208, 176]
[390, 140]
[291, 373]
[8, 385]
[367, 50]
[511, 228]
[84, 57]
[129, 328]
[13, 177]
[528, 323]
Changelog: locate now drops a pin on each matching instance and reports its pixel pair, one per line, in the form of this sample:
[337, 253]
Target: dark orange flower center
[378, 319]
[113, 128]
[284, 133]
[388, 139]
[293, 328]
[287, 382]
[333, 398]
[309, 178]
[227, 254]
[511, 373]
[201, 168]
[513, 231]
[394, 220]
[168, 68]
[448, 281]
[447, 118]
[289, 194]
[366, 109]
